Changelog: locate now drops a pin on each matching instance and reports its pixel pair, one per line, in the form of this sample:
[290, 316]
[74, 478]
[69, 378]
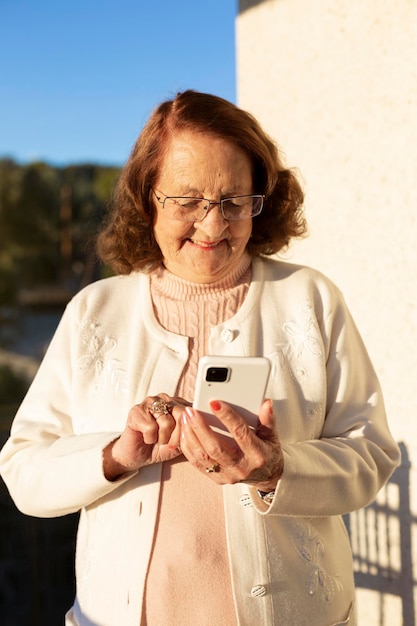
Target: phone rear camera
[217, 374]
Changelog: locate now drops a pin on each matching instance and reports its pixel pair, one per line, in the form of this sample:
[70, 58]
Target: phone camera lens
[216, 374]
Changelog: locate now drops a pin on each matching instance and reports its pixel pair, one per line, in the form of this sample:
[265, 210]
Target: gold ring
[159, 407]
[212, 468]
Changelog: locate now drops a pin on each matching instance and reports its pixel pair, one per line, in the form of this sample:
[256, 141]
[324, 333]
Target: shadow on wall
[244, 5]
[381, 543]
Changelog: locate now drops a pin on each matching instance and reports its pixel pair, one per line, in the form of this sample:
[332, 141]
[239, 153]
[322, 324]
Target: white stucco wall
[335, 83]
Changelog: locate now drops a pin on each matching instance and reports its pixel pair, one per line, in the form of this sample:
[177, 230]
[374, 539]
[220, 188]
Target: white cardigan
[290, 562]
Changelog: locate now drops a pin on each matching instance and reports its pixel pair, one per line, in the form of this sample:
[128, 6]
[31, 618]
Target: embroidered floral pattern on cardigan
[310, 548]
[96, 361]
[302, 337]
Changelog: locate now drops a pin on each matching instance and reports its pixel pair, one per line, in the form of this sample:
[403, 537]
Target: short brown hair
[127, 242]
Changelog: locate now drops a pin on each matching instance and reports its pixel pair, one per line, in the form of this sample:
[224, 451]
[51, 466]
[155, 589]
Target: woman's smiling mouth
[206, 244]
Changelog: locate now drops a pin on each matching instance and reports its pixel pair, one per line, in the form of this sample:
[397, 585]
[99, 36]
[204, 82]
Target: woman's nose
[213, 221]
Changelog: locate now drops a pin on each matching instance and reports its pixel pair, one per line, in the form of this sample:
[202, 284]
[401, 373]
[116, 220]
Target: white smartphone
[239, 381]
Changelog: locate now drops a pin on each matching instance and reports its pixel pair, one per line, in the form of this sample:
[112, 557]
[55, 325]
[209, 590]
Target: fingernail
[215, 405]
[189, 412]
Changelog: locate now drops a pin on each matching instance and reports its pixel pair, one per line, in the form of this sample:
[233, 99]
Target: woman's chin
[207, 265]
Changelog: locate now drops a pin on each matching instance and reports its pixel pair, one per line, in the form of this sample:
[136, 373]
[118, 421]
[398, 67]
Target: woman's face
[205, 166]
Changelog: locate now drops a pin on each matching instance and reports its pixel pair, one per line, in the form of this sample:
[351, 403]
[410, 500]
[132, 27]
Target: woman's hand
[249, 456]
[150, 436]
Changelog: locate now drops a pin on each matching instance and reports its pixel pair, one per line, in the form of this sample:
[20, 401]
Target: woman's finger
[205, 449]
[141, 420]
[190, 444]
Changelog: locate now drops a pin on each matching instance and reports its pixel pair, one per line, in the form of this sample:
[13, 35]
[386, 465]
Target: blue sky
[79, 78]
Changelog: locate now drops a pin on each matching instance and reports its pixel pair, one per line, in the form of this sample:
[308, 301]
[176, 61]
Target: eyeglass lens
[195, 209]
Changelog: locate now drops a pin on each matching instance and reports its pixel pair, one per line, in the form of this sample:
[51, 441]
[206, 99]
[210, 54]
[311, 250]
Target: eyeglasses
[186, 209]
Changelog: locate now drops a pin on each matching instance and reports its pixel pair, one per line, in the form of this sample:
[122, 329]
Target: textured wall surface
[335, 83]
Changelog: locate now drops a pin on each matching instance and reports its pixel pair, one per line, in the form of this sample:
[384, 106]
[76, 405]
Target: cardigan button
[227, 335]
[258, 591]
[245, 500]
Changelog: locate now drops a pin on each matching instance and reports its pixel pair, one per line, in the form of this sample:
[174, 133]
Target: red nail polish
[215, 405]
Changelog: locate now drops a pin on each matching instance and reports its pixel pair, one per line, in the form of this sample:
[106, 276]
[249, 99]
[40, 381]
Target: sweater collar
[172, 286]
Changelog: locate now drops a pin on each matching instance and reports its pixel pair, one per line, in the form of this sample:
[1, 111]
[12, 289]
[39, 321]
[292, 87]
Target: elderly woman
[178, 525]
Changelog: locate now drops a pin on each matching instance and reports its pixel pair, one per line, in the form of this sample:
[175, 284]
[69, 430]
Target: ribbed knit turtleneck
[191, 309]
[189, 565]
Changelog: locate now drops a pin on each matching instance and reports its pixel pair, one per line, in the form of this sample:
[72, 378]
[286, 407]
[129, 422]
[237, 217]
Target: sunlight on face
[203, 166]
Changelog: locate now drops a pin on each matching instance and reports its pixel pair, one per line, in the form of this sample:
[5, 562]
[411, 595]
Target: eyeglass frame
[210, 202]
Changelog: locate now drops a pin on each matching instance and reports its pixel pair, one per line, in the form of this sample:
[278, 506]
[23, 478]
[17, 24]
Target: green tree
[49, 217]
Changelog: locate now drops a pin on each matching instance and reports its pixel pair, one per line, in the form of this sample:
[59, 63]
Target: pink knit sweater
[188, 582]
